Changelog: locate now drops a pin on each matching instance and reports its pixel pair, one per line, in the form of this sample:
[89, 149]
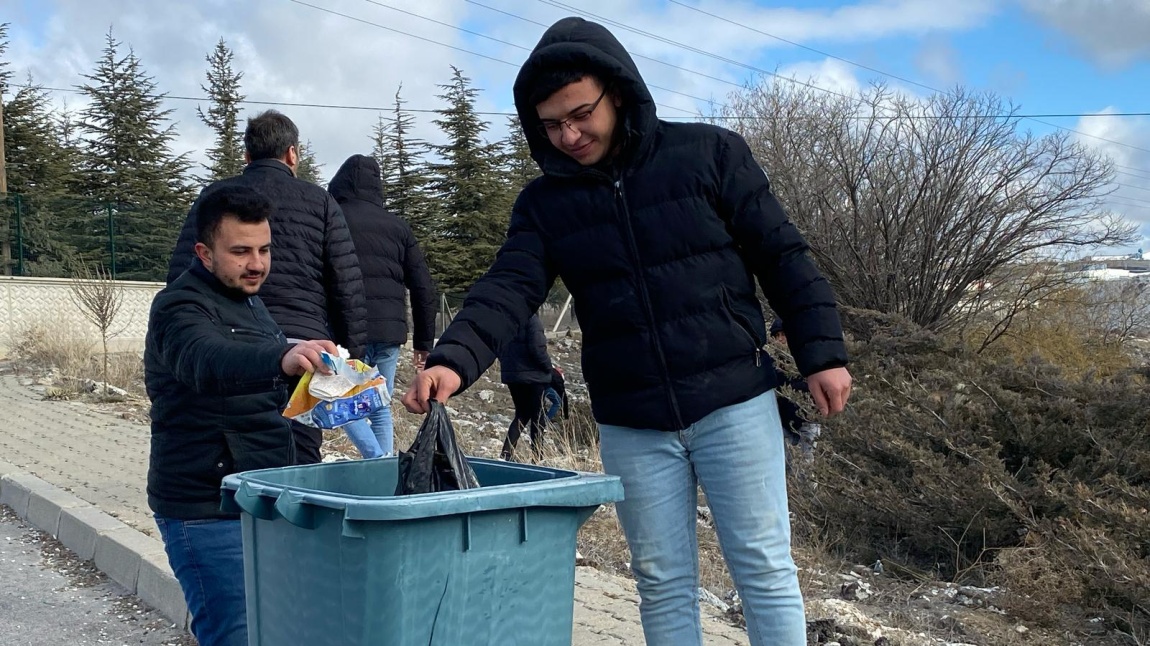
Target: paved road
[103, 459]
[49, 597]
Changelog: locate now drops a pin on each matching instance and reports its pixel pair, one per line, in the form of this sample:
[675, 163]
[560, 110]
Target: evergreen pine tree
[308, 168]
[137, 185]
[226, 156]
[400, 160]
[518, 166]
[6, 206]
[471, 218]
[5, 73]
[39, 170]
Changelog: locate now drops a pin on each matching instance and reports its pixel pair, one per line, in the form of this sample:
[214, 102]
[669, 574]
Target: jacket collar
[271, 164]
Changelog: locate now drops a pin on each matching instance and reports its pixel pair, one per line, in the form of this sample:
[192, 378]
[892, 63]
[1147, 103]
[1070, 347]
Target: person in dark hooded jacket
[392, 264]
[526, 368]
[315, 288]
[797, 428]
[659, 231]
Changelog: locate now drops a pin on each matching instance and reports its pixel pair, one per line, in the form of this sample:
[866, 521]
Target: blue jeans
[207, 558]
[736, 453]
[384, 356]
[375, 436]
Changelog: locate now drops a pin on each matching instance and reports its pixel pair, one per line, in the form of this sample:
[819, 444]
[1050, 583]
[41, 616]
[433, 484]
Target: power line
[1120, 202]
[1142, 177]
[510, 44]
[1131, 168]
[290, 104]
[673, 66]
[802, 46]
[436, 42]
[690, 48]
[389, 108]
[1137, 188]
[1036, 120]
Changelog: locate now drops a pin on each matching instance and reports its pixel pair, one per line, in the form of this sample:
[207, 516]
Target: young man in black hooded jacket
[659, 231]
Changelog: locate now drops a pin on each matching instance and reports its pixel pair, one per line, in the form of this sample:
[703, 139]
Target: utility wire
[922, 85]
[508, 43]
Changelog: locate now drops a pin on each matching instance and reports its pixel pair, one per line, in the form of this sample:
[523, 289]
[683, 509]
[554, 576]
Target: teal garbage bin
[333, 558]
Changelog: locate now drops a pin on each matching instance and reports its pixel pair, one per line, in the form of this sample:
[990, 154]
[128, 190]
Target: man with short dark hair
[216, 367]
[315, 290]
[659, 230]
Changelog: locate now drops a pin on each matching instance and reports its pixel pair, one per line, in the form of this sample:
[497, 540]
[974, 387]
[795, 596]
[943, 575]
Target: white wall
[27, 303]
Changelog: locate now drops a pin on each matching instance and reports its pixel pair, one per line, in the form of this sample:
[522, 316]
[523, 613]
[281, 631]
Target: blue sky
[1049, 56]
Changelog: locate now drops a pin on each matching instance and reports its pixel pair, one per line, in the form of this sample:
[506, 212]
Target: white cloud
[1127, 142]
[938, 60]
[828, 74]
[1113, 32]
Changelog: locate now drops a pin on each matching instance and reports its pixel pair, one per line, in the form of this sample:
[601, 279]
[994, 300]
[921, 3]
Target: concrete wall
[47, 303]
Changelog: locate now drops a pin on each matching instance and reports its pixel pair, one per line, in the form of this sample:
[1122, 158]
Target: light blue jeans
[375, 436]
[736, 453]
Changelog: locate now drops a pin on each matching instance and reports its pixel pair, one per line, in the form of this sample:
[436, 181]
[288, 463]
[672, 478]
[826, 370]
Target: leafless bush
[99, 298]
[911, 203]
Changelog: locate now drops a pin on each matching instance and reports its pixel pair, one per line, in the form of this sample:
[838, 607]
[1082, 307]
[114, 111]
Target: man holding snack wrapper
[217, 369]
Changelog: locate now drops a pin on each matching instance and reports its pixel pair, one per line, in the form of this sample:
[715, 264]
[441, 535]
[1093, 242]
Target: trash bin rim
[574, 489]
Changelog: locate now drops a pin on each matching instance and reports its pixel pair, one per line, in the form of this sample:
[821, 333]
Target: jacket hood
[358, 178]
[575, 42]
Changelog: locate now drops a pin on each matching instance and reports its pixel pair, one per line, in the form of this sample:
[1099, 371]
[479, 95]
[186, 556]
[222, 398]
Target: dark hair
[245, 204]
[269, 135]
[777, 326]
[551, 81]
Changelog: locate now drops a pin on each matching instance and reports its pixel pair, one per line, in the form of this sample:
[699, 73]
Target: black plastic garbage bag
[434, 462]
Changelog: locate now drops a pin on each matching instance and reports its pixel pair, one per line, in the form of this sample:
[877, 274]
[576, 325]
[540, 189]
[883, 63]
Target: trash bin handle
[249, 499]
[295, 510]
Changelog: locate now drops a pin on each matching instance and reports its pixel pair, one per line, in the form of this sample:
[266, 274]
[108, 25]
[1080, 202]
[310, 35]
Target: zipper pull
[618, 188]
[758, 358]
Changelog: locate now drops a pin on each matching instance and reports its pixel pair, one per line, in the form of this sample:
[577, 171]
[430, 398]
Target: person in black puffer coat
[798, 429]
[659, 231]
[392, 264]
[216, 367]
[315, 288]
[526, 368]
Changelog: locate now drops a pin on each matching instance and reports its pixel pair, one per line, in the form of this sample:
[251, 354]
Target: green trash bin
[333, 558]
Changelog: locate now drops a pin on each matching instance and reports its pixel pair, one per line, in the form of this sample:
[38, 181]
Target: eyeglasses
[552, 127]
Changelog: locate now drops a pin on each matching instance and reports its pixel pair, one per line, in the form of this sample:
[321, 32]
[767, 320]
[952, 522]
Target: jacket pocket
[740, 321]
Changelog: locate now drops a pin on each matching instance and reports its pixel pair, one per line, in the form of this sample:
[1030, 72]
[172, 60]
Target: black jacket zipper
[621, 199]
[742, 325]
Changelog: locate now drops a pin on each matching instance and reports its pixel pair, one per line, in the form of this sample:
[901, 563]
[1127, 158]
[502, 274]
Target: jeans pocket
[201, 521]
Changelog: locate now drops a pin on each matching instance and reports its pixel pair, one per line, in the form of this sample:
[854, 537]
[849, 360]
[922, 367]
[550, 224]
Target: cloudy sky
[1089, 57]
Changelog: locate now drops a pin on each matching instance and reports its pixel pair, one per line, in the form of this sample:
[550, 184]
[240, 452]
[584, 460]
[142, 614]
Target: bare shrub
[99, 298]
[909, 203]
[53, 346]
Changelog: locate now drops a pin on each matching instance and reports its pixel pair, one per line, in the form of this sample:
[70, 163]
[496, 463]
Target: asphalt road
[50, 597]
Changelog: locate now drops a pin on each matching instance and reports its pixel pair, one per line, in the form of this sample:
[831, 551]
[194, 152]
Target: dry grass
[75, 359]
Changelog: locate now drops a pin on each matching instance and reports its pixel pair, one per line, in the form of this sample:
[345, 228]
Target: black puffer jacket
[525, 359]
[315, 289]
[212, 369]
[389, 257]
[660, 252]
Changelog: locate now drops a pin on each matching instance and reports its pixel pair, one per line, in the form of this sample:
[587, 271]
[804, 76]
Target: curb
[134, 560]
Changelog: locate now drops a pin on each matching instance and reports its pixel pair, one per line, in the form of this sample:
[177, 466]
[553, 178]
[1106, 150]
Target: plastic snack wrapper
[351, 392]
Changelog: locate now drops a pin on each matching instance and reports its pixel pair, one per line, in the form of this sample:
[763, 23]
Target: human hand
[303, 357]
[420, 359]
[437, 382]
[830, 390]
